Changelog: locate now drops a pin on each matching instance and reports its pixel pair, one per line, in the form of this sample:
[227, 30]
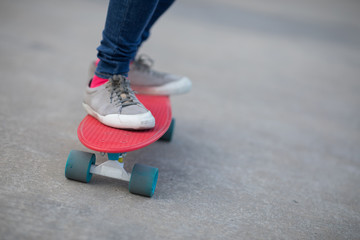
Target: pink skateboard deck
[96, 136]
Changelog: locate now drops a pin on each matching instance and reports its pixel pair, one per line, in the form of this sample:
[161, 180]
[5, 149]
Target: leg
[125, 23]
[162, 6]
[109, 97]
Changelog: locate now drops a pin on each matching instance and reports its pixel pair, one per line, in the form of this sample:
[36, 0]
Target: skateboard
[116, 143]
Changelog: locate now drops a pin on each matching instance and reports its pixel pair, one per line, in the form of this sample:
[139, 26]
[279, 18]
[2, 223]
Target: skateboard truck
[112, 168]
[80, 166]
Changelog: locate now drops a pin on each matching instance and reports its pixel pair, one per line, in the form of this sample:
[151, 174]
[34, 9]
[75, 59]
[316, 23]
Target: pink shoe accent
[96, 81]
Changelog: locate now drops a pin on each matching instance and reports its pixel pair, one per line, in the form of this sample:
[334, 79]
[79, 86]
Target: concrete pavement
[266, 145]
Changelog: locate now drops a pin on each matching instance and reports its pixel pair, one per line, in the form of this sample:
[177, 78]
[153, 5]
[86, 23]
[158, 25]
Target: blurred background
[266, 145]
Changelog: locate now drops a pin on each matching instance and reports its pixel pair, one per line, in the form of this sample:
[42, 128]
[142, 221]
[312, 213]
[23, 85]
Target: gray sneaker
[115, 104]
[145, 80]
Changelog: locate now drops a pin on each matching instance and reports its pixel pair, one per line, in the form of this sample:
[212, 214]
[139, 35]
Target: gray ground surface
[267, 144]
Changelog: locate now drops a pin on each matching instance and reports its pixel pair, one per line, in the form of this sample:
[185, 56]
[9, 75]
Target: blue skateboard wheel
[169, 133]
[78, 166]
[143, 180]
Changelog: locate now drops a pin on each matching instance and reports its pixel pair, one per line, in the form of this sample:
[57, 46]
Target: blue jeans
[128, 24]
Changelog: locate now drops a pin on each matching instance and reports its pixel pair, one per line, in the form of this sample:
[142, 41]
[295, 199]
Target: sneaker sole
[133, 122]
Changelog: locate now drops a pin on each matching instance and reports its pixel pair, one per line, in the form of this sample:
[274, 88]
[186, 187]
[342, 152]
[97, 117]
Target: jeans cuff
[107, 76]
